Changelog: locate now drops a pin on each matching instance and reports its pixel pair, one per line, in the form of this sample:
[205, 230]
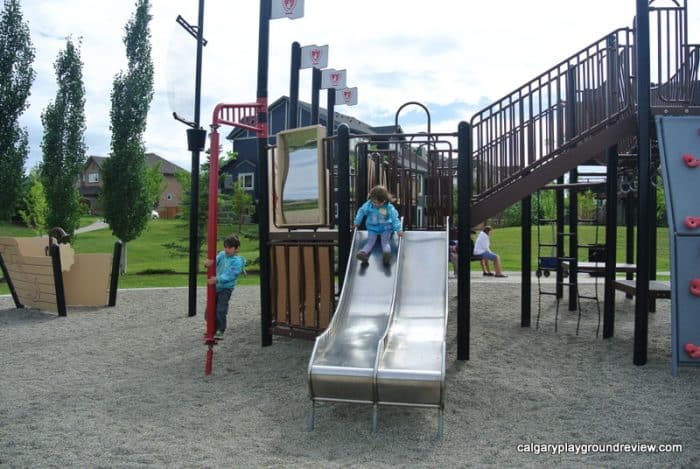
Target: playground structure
[52, 276]
[593, 108]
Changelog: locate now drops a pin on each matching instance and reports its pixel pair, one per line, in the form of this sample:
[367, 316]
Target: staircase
[572, 113]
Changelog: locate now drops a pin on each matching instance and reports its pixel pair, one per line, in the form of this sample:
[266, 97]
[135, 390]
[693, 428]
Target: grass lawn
[151, 264]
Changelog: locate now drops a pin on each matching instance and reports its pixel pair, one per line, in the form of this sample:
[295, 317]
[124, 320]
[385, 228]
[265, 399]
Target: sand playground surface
[125, 387]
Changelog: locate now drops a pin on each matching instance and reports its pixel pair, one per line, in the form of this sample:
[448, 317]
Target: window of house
[245, 180]
[93, 177]
[228, 181]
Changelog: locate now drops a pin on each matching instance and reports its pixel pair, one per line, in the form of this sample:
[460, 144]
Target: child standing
[229, 265]
[382, 220]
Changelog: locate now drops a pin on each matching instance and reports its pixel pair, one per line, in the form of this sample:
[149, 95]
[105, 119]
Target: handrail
[534, 122]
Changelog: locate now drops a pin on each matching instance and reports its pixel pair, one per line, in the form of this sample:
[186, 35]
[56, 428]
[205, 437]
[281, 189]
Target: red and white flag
[332, 78]
[347, 96]
[314, 56]
[291, 9]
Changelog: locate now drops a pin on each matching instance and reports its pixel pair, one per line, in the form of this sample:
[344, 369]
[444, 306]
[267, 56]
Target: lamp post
[196, 137]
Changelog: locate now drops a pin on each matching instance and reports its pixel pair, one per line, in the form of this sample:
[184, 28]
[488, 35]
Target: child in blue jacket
[229, 265]
[381, 221]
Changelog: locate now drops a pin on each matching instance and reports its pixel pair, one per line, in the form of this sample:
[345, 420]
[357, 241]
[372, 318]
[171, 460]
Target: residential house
[169, 203]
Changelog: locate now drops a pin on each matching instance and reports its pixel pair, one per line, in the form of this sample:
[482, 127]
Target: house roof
[166, 167]
[355, 124]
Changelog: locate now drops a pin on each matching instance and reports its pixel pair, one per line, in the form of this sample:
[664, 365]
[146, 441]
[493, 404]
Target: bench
[657, 288]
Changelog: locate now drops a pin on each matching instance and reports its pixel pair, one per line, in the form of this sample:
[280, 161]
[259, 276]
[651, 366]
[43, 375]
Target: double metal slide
[386, 342]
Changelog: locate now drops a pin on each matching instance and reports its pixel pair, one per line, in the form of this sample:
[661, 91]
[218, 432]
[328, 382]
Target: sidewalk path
[98, 225]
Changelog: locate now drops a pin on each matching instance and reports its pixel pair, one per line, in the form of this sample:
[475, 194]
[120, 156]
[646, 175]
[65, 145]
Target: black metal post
[559, 196]
[573, 242]
[11, 286]
[361, 173]
[526, 265]
[262, 177]
[653, 241]
[342, 151]
[330, 121]
[610, 244]
[315, 92]
[114, 279]
[294, 86]
[58, 279]
[464, 191]
[629, 227]
[641, 306]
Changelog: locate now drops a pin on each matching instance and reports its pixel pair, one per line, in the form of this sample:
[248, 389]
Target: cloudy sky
[453, 56]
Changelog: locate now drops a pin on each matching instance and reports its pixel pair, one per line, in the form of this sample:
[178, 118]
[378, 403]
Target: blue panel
[686, 305]
[678, 136]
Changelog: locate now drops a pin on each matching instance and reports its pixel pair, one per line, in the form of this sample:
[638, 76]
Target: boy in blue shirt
[382, 219]
[229, 265]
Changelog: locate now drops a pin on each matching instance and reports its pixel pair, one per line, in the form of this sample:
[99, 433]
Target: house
[169, 203]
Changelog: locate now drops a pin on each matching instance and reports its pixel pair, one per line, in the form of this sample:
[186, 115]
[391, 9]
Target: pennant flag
[347, 96]
[314, 56]
[332, 78]
[291, 9]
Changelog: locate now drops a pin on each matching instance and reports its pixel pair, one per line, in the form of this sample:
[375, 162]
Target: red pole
[212, 241]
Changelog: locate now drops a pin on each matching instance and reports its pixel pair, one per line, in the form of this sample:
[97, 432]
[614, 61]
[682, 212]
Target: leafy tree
[242, 204]
[16, 77]
[155, 183]
[36, 207]
[63, 144]
[126, 199]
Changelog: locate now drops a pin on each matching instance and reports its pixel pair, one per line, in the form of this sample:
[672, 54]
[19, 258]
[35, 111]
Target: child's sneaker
[386, 258]
[362, 256]
[219, 335]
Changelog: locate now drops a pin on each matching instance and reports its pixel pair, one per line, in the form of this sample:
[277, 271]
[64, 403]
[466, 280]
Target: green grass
[150, 264]
[506, 243]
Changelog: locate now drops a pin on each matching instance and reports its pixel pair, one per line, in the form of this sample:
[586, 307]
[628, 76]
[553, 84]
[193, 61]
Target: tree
[242, 204]
[63, 144]
[36, 208]
[126, 200]
[155, 183]
[16, 77]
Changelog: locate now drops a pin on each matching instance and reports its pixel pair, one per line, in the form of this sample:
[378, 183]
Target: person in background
[381, 220]
[482, 248]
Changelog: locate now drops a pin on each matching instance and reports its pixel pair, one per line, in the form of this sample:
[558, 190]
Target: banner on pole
[347, 96]
[332, 78]
[314, 56]
[291, 9]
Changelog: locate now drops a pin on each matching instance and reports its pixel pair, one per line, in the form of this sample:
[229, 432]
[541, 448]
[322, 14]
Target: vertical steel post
[330, 120]
[293, 114]
[464, 192]
[610, 244]
[315, 92]
[526, 261]
[342, 152]
[262, 186]
[641, 306]
[211, 232]
[194, 182]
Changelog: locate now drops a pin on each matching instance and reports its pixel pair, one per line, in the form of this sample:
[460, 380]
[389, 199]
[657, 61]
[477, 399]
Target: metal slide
[386, 341]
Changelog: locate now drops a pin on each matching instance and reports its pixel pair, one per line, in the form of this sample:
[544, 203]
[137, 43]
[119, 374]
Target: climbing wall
[679, 147]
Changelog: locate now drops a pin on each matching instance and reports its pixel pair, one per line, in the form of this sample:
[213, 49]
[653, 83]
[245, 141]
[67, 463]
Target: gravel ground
[125, 387]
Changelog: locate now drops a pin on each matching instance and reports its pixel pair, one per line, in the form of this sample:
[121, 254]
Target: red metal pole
[212, 241]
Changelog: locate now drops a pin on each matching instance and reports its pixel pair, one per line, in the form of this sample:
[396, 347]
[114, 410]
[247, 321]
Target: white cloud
[449, 54]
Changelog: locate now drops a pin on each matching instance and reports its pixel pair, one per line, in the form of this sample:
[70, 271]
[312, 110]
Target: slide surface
[386, 341]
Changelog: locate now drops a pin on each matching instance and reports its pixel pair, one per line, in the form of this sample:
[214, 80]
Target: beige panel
[87, 282]
[281, 280]
[325, 276]
[295, 286]
[67, 257]
[35, 246]
[309, 303]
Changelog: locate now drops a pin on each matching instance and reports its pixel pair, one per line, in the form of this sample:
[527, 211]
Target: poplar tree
[63, 144]
[16, 77]
[126, 199]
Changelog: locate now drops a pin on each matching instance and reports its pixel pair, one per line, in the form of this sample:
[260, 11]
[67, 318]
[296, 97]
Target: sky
[455, 57]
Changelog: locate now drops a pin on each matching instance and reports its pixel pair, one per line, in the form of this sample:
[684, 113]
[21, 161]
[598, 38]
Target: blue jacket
[228, 268]
[379, 220]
